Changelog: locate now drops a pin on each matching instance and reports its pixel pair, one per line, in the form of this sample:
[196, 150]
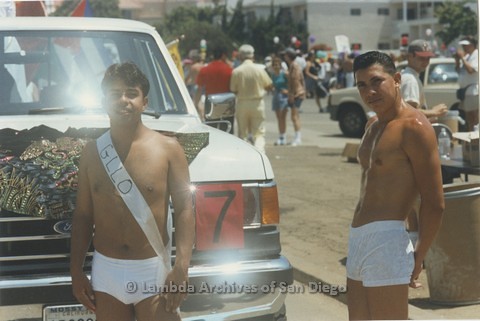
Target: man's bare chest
[149, 178]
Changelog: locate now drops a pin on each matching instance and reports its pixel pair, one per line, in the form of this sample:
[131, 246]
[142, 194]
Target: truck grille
[30, 243]
[34, 244]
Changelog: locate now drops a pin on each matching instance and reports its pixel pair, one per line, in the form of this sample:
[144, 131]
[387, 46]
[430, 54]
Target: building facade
[369, 25]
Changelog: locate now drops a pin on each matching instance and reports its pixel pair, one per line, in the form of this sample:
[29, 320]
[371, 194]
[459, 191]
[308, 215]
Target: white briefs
[129, 281]
[380, 254]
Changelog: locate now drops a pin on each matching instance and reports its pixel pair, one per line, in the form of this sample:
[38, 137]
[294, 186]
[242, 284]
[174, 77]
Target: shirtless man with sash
[399, 162]
[125, 182]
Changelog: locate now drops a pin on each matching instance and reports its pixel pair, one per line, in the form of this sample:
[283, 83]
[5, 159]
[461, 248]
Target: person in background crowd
[324, 77]
[300, 59]
[399, 160]
[311, 71]
[268, 64]
[347, 67]
[191, 78]
[296, 92]
[250, 83]
[280, 99]
[466, 62]
[418, 57]
[214, 78]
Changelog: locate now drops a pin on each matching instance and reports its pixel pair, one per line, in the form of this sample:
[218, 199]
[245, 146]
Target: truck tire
[352, 120]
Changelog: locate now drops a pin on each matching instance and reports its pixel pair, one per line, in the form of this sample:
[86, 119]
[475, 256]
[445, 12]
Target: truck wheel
[352, 121]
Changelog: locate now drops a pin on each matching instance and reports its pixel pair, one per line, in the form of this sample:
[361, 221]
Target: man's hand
[440, 110]
[435, 112]
[83, 291]
[173, 299]
[415, 273]
[459, 54]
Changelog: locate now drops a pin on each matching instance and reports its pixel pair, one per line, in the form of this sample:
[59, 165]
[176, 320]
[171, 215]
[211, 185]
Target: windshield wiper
[153, 113]
[77, 110]
[49, 110]
[62, 110]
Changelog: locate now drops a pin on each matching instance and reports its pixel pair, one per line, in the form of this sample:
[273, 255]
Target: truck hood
[224, 158]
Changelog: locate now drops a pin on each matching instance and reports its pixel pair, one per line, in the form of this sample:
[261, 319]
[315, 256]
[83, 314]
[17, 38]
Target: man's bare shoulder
[90, 150]
[415, 119]
[417, 129]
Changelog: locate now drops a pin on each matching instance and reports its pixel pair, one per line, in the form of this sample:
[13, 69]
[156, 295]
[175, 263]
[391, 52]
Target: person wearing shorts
[296, 92]
[380, 254]
[399, 161]
[280, 98]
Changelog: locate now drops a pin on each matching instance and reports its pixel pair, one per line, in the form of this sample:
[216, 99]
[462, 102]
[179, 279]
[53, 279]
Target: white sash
[134, 200]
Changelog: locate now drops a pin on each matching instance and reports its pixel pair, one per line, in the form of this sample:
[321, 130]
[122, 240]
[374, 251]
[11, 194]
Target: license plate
[75, 312]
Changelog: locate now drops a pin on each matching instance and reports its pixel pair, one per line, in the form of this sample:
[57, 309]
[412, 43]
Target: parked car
[439, 82]
[50, 105]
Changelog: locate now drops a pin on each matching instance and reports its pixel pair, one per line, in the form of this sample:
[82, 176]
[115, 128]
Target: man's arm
[179, 186]
[196, 102]
[436, 111]
[460, 57]
[411, 95]
[82, 231]
[233, 83]
[293, 82]
[267, 81]
[199, 81]
[420, 145]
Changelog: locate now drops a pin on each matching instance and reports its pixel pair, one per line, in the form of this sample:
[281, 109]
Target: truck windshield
[61, 71]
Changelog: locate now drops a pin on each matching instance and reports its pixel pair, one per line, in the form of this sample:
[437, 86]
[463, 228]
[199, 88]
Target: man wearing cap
[466, 62]
[418, 56]
[250, 82]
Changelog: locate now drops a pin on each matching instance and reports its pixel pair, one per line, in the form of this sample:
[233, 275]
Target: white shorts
[380, 254]
[129, 281]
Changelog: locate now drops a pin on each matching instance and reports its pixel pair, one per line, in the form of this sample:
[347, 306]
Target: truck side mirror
[218, 107]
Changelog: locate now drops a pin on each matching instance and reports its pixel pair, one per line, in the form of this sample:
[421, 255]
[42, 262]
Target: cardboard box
[470, 146]
[350, 152]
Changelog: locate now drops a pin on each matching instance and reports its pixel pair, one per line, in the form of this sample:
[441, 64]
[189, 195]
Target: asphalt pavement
[318, 190]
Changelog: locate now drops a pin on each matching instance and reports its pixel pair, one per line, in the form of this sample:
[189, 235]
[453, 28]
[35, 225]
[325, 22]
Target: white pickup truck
[439, 82]
[50, 105]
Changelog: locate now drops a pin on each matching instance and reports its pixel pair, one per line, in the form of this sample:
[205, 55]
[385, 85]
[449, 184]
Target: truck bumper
[244, 289]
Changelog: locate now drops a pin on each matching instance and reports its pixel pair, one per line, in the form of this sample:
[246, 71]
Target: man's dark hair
[218, 52]
[374, 57]
[129, 73]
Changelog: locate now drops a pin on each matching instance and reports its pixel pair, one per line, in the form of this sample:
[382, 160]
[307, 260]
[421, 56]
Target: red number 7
[219, 216]
[218, 226]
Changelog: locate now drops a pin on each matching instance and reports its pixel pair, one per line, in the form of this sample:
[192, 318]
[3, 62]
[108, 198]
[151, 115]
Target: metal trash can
[453, 261]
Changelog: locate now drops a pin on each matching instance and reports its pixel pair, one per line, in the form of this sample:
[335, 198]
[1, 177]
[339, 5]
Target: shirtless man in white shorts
[399, 160]
[123, 254]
